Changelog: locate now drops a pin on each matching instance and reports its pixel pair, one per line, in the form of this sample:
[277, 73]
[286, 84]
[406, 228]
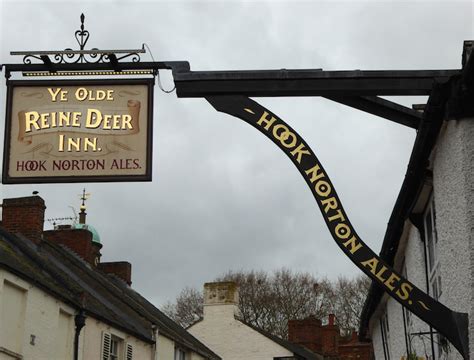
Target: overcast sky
[223, 197]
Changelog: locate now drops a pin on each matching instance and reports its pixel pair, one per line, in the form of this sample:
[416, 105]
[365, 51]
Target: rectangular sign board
[78, 131]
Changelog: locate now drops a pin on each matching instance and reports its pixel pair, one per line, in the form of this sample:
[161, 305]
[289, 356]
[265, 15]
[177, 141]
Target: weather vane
[84, 196]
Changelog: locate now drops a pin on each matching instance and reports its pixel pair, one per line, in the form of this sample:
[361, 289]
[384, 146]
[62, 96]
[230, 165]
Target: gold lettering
[75, 119]
[381, 272]
[299, 152]
[126, 121]
[371, 264]
[61, 143]
[343, 231]
[352, 244]
[54, 94]
[109, 95]
[93, 119]
[264, 119]
[116, 122]
[44, 121]
[31, 119]
[322, 188]
[314, 173]
[90, 143]
[391, 280]
[338, 216]
[106, 124]
[81, 94]
[404, 292]
[73, 143]
[64, 119]
[284, 135]
[329, 204]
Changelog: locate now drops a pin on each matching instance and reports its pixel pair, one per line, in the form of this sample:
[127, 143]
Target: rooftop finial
[82, 214]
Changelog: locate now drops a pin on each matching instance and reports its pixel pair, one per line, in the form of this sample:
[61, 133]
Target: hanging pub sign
[76, 131]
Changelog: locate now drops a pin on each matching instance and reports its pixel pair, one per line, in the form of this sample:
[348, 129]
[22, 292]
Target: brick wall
[78, 240]
[122, 269]
[326, 339]
[25, 216]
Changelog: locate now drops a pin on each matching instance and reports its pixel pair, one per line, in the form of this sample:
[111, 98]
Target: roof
[300, 351]
[60, 272]
[93, 230]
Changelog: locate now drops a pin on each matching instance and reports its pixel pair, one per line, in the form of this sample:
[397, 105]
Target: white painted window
[113, 348]
[179, 354]
[431, 243]
[385, 329]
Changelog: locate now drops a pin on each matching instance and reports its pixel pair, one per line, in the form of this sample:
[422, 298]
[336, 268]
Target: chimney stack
[221, 298]
[24, 215]
[78, 240]
[121, 269]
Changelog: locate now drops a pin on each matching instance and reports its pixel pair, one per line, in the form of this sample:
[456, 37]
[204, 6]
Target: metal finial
[82, 215]
[84, 196]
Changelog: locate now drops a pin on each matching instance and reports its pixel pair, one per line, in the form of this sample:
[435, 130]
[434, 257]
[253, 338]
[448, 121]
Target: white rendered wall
[41, 320]
[453, 177]
[453, 189]
[52, 323]
[231, 339]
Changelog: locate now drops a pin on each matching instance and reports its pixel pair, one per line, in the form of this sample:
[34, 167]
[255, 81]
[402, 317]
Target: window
[113, 348]
[179, 354]
[12, 316]
[432, 263]
[431, 244]
[384, 328]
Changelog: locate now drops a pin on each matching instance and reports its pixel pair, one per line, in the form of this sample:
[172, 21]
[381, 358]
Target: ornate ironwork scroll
[70, 56]
[451, 324]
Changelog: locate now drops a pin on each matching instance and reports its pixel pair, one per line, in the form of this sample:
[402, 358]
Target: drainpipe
[154, 328]
[80, 322]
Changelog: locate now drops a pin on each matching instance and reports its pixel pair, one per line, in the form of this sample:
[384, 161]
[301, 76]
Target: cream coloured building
[58, 301]
[223, 331]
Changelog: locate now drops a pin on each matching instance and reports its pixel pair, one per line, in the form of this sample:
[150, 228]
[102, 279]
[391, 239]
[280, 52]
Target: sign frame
[12, 84]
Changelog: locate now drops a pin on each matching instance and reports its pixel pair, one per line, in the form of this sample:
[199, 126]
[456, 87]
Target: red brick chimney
[306, 332]
[78, 240]
[24, 215]
[330, 337]
[122, 269]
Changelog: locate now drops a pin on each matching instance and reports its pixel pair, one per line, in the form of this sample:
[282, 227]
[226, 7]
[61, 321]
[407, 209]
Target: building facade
[233, 339]
[430, 236]
[58, 301]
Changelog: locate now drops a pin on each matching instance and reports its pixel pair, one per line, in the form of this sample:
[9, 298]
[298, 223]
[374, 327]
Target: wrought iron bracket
[53, 58]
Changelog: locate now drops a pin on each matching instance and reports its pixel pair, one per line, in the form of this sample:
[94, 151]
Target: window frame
[385, 331]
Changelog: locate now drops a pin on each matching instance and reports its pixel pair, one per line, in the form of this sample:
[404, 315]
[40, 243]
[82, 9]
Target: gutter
[80, 322]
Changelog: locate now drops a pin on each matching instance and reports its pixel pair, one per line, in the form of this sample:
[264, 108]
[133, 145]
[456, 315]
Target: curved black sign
[451, 324]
